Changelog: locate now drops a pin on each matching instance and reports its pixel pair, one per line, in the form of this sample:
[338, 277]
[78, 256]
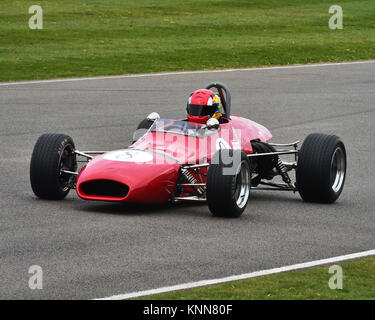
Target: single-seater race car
[218, 162]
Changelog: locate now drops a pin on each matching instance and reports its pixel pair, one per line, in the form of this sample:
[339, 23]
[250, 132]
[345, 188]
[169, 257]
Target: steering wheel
[173, 125]
[224, 94]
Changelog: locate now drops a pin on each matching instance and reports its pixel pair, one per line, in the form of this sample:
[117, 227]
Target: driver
[202, 105]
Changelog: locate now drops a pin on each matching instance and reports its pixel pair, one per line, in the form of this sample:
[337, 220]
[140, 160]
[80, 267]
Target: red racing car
[218, 161]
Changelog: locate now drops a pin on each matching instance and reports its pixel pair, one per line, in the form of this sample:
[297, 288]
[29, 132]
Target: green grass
[97, 37]
[309, 284]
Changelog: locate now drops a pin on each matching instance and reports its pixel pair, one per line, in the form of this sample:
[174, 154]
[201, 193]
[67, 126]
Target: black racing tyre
[264, 165]
[142, 128]
[52, 153]
[228, 183]
[321, 168]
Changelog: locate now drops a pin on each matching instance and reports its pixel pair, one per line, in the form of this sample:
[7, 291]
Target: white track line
[140, 75]
[241, 276]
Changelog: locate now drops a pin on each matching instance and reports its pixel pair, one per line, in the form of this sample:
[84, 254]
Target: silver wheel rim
[338, 167]
[242, 189]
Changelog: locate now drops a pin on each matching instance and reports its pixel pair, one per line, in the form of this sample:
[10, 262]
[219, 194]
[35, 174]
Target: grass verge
[95, 37]
[310, 284]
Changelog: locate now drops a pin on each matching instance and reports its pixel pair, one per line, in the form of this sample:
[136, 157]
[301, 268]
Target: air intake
[104, 188]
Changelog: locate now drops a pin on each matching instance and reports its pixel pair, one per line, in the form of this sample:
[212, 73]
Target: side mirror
[212, 123]
[153, 116]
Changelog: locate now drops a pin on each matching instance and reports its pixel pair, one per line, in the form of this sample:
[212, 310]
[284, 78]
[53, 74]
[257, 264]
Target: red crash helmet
[202, 105]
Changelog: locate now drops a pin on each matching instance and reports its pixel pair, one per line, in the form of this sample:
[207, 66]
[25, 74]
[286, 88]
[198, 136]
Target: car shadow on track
[281, 196]
[192, 209]
[259, 200]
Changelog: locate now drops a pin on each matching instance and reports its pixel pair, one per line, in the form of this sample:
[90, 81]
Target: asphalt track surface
[96, 249]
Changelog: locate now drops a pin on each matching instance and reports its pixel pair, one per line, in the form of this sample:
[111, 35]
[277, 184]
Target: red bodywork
[148, 171]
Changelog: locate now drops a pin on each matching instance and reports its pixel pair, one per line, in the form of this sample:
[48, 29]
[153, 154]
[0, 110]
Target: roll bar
[224, 94]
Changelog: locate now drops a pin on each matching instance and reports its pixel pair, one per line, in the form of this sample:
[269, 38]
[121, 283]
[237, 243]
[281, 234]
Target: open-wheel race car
[219, 162]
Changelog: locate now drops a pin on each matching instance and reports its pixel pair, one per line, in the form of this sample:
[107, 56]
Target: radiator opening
[104, 188]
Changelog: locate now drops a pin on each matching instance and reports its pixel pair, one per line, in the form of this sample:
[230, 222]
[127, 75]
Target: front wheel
[228, 183]
[321, 168]
[52, 154]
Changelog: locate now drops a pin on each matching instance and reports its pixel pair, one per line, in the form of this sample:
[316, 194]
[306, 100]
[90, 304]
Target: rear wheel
[321, 168]
[228, 185]
[52, 154]
[263, 166]
[142, 128]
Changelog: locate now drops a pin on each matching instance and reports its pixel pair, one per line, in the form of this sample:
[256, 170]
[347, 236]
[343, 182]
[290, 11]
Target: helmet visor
[198, 110]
